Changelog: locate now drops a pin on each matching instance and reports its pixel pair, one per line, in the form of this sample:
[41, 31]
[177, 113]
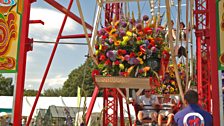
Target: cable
[143, 6]
[50, 42]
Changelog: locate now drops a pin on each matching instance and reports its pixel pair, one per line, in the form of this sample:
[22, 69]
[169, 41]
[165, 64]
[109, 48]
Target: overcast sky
[67, 57]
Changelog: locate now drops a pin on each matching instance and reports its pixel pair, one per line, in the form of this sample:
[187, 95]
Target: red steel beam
[67, 12]
[74, 36]
[48, 65]
[91, 105]
[120, 98]
[36, 21]
[18, 103]
[199, 68]
[214, 62]
[203, 53]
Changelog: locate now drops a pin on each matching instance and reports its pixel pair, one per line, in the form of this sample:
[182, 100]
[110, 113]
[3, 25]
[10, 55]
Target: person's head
[191, 97]
[172, 23]
[147, 92]
[182, 25]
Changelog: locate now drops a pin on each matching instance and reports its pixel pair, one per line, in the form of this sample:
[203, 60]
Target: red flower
[95, 72]
[104, 48]
[108, 29]
[104, 37]
[96, 47]
[124, 52]
[108, 62]
[116, 62]
[139, 38]
[102, 57]
[132, 54]
[119, 52]
[125, 74]
[140, 71]
[147, 30]
[152, 41]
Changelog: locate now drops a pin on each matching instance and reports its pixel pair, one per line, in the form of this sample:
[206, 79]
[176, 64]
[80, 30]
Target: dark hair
[191, 97]
[172, 21]
[182, 24]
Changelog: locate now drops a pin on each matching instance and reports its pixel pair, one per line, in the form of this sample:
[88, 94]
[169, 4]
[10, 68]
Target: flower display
[130, 48]
[169, 82]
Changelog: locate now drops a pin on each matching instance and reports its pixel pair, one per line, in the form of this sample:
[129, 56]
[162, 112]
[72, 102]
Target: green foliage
[52, 92]
[6, 87]
[30, 92]
[76, 77]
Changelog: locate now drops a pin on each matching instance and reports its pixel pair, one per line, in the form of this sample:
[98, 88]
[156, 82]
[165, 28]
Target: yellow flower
[100, 47]
[163, 86]
[116, 23]
[172, 75]
[128, 33]
[121, 66]
[112, 31]
[126, 38]
[140, 60]
[173, 82]
[97, 52]
[171, 89]
[124, 43]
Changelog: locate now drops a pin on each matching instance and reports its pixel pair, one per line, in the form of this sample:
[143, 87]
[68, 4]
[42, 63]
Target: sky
[67, 57]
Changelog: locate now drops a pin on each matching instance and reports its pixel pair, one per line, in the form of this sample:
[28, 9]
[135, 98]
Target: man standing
[192, 114]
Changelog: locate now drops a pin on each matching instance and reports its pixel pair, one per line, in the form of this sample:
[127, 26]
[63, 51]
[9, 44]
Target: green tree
[6, 87]
[78, 77]
[30, 92]
[52, 92]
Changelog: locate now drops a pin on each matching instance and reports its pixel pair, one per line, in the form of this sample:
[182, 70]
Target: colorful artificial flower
[130, 47]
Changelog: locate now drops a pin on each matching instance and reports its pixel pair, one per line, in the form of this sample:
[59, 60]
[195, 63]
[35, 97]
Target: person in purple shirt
[192, 114]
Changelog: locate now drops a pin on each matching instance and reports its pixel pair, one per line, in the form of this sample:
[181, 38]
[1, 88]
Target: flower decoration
[130, 48]
[169, 82]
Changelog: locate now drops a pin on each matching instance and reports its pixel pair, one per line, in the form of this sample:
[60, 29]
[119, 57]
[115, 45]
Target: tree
[52, 92]
[6, 87]
[30, 92]
[80, 77]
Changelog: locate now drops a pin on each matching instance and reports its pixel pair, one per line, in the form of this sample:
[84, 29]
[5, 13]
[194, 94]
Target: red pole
[199, 68]
[18, 103]
[90, 108]
[214, 63]
[36, 22]
[48, 65]
[121, 110]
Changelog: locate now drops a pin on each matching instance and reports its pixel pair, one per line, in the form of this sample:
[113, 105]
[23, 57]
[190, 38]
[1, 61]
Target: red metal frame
[18, 103]
[214, 63]
[203, 53]
[49, 64]
[92, 102]
[207, 67]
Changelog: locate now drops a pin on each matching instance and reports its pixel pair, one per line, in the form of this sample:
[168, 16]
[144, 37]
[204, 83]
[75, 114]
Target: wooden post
[172, 49]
